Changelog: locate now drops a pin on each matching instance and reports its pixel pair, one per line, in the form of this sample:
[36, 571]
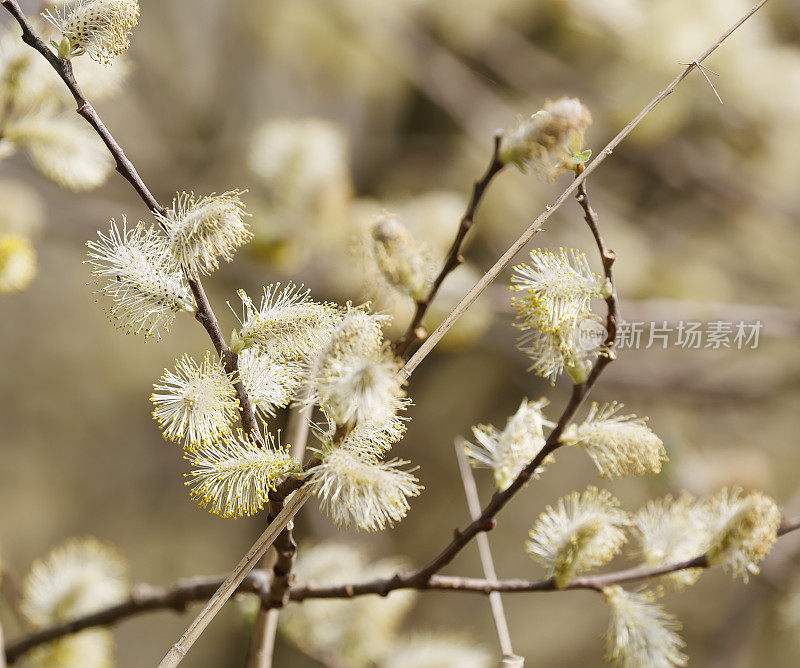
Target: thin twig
[145, 598]
[416, 330]
[506, 258]
[474, 505]
[607, 257]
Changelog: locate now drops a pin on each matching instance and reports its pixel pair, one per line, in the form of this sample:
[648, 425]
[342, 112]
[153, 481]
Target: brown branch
[145, 598]
[607, 257]
[416, 330]
[205, 315]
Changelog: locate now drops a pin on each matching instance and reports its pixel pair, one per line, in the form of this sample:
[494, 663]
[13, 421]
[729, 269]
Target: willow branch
[145, 598]
[205, 314]
[428, 345]
[416, 330]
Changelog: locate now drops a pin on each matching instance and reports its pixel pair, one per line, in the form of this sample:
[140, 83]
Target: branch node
[488, 525]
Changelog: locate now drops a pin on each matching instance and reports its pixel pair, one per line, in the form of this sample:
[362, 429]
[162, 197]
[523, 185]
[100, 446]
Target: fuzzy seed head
[289, 324]
[552, 297]
[78, 578]
[584, 531]
[619, 445]
[360, 490]
[233, 476]
[641, 633]
[195, 403]
[17, 263]
[742, 528]
[541, 143]
[98, 27]
[201, 230]
[131, 266]
[507, 452]
[374, 438]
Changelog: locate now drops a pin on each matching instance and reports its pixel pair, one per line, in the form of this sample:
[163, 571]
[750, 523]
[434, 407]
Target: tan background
[701, 204]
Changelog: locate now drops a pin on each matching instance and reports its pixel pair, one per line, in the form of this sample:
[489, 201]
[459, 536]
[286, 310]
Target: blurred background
[328, 112]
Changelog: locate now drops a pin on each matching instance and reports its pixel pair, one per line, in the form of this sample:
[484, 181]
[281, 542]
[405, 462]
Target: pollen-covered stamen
[131, 266]
[270, 383]
[97, 27]
[289, 324]
[233, 476]
[641, 632]
[742, 530]
[201, 230]
[554, 287]
[195, 403]
[584, 531]
[508, 451]
[620, 445]
[361, 490]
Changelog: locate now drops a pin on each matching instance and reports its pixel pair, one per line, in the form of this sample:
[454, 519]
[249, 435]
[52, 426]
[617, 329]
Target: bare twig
[145, 598]
[416, 330]
[607, 256]
[474, 505]
[506, 258]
